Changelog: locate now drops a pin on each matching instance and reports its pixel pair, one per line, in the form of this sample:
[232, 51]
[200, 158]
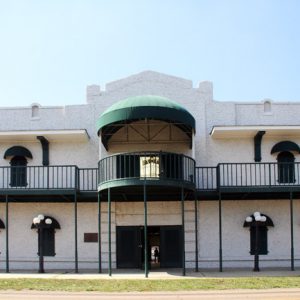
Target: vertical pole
[145, 232]
[6, 226]
[220, 234]
[75, 232]
[196, 233]
[183, 231]
[256, 255]
[41, 250]
[292, 231]
[99, 234]
[109, 231]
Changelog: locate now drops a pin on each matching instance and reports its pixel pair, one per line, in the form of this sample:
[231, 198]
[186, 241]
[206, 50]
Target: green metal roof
[140, 108]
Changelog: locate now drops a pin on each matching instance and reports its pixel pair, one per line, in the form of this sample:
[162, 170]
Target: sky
[51, 50]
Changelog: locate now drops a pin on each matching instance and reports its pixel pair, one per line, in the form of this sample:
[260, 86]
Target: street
[271, 294]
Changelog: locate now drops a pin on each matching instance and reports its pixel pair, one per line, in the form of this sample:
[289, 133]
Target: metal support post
[109, 232]
[75, 232]
[292, 231]
[256, 255]
[7, 242]
[196, 234]
[220, 234]
[183, 232]
[145, 232]
[99, 234]
[41, 250]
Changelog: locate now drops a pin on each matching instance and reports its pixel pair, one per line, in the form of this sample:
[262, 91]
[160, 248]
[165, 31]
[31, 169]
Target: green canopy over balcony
[140, 108]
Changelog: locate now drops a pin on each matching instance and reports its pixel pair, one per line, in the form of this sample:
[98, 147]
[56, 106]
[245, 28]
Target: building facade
[151, 162]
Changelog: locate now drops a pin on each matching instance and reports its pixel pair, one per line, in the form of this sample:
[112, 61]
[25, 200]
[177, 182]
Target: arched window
[286, 168]
[46, 235]
[267, 107]
[18, 174]
[18, 162]
[35, 111]
[259, 234]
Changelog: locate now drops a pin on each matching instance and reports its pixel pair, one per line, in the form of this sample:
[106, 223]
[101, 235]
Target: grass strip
[132, 285]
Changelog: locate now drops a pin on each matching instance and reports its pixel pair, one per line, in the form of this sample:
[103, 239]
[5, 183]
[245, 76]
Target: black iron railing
[206, 178]
[153, 166]
[88, 179]
[258, 174]
[48, 178]
[147, 165]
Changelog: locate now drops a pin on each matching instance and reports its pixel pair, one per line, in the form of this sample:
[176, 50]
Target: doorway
[164, 246]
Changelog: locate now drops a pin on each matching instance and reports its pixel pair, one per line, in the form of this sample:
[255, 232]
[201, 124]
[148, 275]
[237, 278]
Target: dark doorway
[166, 239]
[286, 168]
[129, 246]
[171, 246]
[18, 174]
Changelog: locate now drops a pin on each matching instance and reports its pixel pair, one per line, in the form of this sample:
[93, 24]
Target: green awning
[140, 108]
[17, 151]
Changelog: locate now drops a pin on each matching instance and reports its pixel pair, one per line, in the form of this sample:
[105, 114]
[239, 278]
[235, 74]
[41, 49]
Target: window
[262, 240]
[48, 242]
[258, 233]
[149, 166]
[46, 235]
[286, 168]
[267, 108]
[35, 111]
[18, 174]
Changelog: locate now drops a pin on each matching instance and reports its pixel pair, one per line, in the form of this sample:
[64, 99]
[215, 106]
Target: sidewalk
[139, 274]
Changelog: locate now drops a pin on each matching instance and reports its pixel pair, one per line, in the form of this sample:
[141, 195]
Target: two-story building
[150, 164]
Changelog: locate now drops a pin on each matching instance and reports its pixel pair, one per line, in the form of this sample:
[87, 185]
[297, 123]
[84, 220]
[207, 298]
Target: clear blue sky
[51, 49]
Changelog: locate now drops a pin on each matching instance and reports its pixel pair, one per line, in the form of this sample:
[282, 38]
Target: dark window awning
[17, 151]
[54, 223]
[268, 222]
[285, 146]
[140, 108]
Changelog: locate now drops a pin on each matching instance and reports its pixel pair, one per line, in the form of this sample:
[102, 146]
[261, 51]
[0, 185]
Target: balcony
[47, 179]
[249, 177]
[152, 168]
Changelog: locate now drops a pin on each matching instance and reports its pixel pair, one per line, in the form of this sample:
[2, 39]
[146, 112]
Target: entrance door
[129, 246]
[171, 246]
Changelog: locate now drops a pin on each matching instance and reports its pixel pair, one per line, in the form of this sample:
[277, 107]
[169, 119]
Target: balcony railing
[206, 178]
[48, 178]
[248, 175]
[241, 175]
[88, 179]
[154, 166]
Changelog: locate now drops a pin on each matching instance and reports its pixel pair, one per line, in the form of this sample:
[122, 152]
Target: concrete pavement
[138, 274]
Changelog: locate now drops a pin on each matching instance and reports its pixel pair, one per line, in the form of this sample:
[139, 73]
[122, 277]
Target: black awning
[54, 223]
[2, 226]
[285, 146]
[17, 151]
